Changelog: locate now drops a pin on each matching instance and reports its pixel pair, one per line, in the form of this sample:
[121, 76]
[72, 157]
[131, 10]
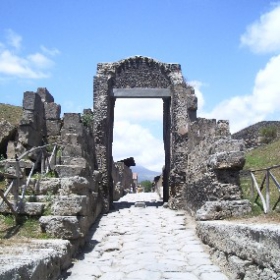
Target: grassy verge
[28, 228]
[10, 113]
[262, 157]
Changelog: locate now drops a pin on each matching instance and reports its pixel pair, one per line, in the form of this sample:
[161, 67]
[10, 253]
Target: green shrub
[268, 134]
[87, 119]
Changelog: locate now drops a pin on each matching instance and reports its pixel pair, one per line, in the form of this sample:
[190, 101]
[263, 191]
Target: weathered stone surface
[29, 137]
[27, 208]
[249, 249]
[45, 95]
[35, 259]
[52, 111]
[65, 227]
[72, 170]
[53, 127]
[72, 205]
[32, 101]
[75, 185]
[227, 160]
[7, 132]
[216, 210]
[71, 121]
[46, 186]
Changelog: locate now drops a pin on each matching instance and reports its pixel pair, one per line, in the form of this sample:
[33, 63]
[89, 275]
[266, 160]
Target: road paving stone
[143, 243]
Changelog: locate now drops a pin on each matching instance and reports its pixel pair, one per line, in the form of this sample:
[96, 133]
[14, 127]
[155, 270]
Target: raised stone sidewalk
[136, 242]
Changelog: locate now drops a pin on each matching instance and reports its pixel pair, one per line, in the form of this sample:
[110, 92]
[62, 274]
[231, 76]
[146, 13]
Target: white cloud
[13, 39]
[51, 52]
[40, 61]
[136, 109]
[264, 100]
[15, 65]
[263, 36]
[133, 140]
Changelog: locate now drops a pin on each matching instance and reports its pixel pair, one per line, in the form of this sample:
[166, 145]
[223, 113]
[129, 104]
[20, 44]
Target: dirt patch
[270, 218]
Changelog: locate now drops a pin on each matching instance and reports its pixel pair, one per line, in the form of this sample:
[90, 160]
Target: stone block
[75, 185]
[48, 186]
[227, 160]
[72, 170]
[227, 144]
[71, 120]
[52, 111]
[141, 204]
[216, 210]
[32, 101]
[74, 205]
[29, 137]
[53, 127]
[8, 132]
[65, 227]
[14, 148]
[27, 208]
[45, 95]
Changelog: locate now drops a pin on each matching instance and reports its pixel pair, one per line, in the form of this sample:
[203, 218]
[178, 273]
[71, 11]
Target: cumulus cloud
[13, 64]
[132, 139]
[136, 109]
[263, 102]
[263, 36]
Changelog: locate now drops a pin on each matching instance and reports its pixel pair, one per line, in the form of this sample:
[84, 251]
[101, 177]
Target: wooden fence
[47, 160]
[265, 183]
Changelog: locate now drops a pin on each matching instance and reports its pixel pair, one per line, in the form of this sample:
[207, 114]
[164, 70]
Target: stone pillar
[102, 135]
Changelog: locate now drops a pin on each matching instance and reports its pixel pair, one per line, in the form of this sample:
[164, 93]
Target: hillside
[10, 113]
[262, 157]
[144, 173]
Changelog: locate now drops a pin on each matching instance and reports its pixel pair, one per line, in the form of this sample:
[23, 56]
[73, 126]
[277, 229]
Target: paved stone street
[148, 243]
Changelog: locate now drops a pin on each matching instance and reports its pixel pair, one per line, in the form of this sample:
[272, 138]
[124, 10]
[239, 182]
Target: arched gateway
[143, 77]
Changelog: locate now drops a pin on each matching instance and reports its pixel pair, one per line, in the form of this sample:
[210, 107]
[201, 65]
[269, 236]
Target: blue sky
[229, 51]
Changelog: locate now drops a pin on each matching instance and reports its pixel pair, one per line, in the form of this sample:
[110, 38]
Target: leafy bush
[87, 119]
[268, 134]
[147, 185]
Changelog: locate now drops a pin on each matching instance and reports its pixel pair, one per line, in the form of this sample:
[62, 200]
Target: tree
[147, 185]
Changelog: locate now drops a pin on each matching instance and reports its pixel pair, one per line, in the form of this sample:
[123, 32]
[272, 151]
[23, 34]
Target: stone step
[27, 208]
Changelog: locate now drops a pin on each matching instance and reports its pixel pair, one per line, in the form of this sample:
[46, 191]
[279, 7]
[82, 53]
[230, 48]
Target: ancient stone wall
[245, 251]
[214, 160]
[179, 108]
[72, 200]
[39, 124]
[122, 179]
[252, 134]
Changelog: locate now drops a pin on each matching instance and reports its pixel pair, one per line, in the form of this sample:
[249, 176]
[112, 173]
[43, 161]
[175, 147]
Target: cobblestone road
[150, 243]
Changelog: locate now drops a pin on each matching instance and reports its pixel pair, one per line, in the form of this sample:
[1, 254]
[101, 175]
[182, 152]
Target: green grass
[10, 113]
[262, 157]
[28, 227]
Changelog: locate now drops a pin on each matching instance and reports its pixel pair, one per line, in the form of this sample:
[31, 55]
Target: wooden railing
[265, 183]
[46, 162]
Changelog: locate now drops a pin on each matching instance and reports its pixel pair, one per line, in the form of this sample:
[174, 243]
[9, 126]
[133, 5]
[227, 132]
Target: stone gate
[143, 77]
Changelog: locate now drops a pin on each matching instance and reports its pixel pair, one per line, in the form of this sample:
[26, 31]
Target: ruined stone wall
[214, 160]
[243, 250]
[40, 123]
[252, 134]
[144, 72]
[73, 198]
[122, 179]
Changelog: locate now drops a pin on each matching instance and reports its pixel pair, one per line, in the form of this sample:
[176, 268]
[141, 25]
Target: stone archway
[144, 77]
